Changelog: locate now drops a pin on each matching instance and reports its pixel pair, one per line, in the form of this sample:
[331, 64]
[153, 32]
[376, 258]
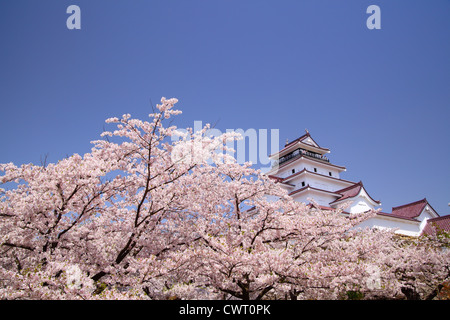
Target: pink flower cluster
[142, 217]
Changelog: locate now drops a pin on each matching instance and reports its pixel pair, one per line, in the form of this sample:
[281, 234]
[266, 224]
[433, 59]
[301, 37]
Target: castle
[303, 169]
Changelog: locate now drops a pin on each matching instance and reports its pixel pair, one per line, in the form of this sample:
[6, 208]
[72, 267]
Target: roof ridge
[410, 204]
[350, 187]
[308, 186]
[361, 187]
[439, 218]
[397, 216]
[310, 159]
[317, 174]
[298, 139]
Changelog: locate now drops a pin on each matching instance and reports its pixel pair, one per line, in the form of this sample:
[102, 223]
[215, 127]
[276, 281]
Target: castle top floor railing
[298, 153]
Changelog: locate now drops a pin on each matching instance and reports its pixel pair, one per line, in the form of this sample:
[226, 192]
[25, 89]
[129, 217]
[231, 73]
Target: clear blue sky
[379, 99]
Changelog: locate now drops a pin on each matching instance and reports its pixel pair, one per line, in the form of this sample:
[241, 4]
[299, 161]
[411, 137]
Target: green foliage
[354, 295]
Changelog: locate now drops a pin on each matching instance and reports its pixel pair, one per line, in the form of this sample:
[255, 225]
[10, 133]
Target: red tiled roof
[351, 192]
[395, 216]
[300, 139]
[280, 180]
[314, 173]
[277, 179]
[345, 193]
[410, 210]
[437, 224]
[318, 206]
[309, 158]
[312, 188]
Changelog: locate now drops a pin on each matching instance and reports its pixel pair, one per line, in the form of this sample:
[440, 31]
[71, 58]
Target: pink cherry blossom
[142, 216]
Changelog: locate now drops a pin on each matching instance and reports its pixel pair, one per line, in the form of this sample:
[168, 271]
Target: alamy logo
[74, 20]
[237, 145]
[374, 21]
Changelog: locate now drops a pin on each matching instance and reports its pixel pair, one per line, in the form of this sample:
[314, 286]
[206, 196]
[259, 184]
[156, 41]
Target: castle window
[315, 169]
[303, 183]
[293, 170]
[330, 173]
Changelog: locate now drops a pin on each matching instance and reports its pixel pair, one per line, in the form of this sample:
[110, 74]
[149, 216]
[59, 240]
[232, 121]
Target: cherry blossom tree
[278, 249]
[106, 213]
[148, 216]
[416, 268]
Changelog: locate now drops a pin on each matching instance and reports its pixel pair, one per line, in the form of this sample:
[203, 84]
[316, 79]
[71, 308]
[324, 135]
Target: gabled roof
[306, 171]
[280, 180]
[304, 139]
[308, 187]
[390, 215]
[302, 156]
[342, 194]
[353, 191]
[437, 224]
[413, 209]
[350, 192]
[318, 206]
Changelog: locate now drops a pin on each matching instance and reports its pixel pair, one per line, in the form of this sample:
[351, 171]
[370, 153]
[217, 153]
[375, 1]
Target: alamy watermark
[74, 20]
[374, 20]
[251, 145]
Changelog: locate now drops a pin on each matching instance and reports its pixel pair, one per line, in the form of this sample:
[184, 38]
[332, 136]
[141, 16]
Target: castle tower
[303, 169]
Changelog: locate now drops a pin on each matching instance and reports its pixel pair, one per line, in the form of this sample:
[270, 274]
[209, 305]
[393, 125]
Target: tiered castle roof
[302, 153]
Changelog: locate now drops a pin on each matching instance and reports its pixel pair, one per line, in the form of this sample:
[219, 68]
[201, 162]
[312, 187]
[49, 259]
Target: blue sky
[379, 99]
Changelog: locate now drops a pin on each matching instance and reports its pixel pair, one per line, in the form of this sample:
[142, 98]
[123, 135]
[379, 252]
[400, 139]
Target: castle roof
[306, 138]
[304, 141]
[411, 210]
[353, 191]
[305, 151]
[437, 224]
[306, 171]
[308, 187]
